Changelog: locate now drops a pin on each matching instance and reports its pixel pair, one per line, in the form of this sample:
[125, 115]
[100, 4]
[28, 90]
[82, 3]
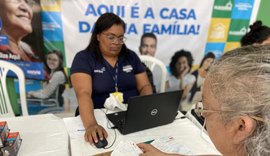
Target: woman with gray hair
[236, 103]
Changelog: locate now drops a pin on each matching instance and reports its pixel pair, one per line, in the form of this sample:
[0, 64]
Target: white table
[183, 130]
[42, 135]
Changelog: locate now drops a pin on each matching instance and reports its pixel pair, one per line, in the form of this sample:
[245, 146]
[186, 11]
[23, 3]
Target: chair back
[5, 105]
[58, 94]
[55, 100]
[151, 63]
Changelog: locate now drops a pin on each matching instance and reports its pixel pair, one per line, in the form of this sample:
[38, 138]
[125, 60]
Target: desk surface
[183, 130]
[42, 135]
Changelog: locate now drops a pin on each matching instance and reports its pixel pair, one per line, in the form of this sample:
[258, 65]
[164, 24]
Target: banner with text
[177, 24]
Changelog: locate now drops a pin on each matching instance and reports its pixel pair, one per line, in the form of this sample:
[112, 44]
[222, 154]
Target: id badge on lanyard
[118, 95]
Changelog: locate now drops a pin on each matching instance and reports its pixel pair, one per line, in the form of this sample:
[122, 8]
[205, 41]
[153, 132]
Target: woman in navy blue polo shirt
[106, 66]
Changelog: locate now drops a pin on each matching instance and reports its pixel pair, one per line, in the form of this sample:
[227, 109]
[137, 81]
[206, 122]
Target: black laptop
[147, 112]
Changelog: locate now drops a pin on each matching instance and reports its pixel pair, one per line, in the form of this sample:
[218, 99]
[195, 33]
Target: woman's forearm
[86, 109]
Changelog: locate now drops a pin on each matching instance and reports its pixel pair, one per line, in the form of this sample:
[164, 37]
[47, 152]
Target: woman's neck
[15, 47]
[235, 153]
[13, 38]
[111, 59]
[236, 150]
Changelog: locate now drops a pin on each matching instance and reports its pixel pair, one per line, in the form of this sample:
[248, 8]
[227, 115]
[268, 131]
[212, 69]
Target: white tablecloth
[183, 130]
[42, 135]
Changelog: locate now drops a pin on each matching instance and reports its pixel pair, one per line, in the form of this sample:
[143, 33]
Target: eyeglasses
[30, 3]
[114, 39]
[199, 110]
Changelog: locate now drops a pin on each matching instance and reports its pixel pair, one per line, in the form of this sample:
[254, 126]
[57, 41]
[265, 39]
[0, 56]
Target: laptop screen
[150, 111]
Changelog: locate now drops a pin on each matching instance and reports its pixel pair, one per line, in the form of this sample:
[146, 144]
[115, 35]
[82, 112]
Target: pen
[80, 129]
[149, 142]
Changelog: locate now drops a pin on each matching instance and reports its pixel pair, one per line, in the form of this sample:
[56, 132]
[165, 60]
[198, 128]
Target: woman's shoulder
[171, 77]
[26, 48]
[58, 74]
[189, 77]
[84, 55]
[131, 55]
[29, 52]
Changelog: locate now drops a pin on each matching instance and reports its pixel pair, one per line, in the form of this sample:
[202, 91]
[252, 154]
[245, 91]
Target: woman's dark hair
[208, 55]
[175, 58]
[257, 34]
[61, 62]
[104, 22]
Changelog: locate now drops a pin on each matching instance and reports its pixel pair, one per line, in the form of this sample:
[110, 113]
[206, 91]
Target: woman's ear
[245, 125]
[98, 37]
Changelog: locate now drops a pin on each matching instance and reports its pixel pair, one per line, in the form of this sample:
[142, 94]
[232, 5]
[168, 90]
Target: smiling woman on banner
[106, 66]
[56, 76]
[180, 77]
[16, 20]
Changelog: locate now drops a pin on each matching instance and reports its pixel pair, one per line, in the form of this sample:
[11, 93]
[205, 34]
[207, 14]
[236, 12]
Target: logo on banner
[238, 28]
[32, 70]
[52, 26]
[218, 31]
[228, 7]
[242, 9]
[243, 6]
[223, 8]
[240, 32]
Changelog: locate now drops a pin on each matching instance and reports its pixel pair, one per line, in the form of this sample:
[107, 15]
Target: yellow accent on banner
[51, 5]
[194, 67]
[231, 45]
[218, 31]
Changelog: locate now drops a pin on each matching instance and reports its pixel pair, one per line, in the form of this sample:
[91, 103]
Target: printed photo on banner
[21, 39]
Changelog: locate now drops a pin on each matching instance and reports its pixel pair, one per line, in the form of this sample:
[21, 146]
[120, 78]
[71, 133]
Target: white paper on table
[126, 148]
[170, 145]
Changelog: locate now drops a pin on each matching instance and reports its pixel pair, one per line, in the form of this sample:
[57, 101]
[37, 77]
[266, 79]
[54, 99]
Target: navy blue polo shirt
[102, 75]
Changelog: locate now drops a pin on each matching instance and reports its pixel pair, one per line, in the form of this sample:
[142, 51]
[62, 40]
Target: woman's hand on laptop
[92, 132]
